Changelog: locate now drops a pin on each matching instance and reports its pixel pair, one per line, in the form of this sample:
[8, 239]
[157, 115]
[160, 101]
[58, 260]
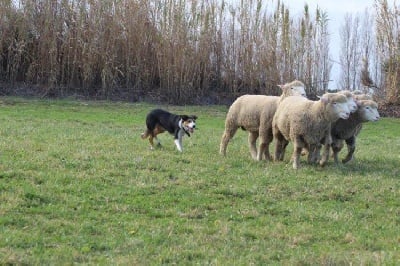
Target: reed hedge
[169, 50]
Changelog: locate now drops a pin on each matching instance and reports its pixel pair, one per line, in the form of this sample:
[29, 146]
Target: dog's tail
[145, 134]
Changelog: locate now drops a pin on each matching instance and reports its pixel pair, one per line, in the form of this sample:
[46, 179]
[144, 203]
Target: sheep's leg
[327, 142]
[280, 146]
[264, 147]
[298, 145]
[315, 154]
[351, 147]
[252, 144]
[284, 145]
[296, 156]
[310, 153]
[336, 148]
[335, 154]
[325, 155]
[226, 137]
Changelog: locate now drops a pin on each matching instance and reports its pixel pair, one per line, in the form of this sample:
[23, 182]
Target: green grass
[79, 186]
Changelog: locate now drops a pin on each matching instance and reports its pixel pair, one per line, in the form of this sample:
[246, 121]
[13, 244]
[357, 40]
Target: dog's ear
[184, 117]
[194, 117]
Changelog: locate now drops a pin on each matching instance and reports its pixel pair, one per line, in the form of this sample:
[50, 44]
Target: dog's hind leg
[150, 135]
[145, 134]
[151, 141]
[158, 143]
[158, 130]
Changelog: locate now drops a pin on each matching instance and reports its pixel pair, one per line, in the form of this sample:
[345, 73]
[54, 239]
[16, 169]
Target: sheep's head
[336, 105]
[350, 100]
[368, 110]
[294, 88]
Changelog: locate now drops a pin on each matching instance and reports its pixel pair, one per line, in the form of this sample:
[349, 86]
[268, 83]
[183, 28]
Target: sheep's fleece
[254, 113]
[307, 123]
[347, 130]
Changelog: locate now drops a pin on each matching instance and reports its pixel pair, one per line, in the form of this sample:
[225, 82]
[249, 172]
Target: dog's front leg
[178, 143]
[178, 140]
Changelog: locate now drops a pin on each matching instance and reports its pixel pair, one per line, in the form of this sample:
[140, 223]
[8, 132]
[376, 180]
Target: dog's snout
[194, 126]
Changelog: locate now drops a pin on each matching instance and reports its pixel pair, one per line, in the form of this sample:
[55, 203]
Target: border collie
[159, 121]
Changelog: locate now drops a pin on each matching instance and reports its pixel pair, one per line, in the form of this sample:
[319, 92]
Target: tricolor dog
[159, 121]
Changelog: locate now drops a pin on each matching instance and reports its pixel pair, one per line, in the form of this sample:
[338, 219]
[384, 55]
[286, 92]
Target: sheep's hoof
[268, 158]
[336, 160]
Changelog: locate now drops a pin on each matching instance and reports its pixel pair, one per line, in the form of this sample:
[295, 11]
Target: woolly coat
[349, 129]
[297, 116]
[254, 113]
[307, 124]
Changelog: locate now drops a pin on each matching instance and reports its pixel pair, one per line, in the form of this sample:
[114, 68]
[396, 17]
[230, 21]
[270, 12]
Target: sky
[336, 9]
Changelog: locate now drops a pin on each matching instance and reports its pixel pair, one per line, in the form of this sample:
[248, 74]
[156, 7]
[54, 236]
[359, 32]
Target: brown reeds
[388, 38]
[174, 51]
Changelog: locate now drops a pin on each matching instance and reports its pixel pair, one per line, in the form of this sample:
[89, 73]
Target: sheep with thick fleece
[254, 114]
[307, 123]
[350, 100]
[347, 130]
[315, 154]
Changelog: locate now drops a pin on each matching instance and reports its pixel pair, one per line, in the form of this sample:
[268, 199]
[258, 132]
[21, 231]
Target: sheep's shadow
[387, 167]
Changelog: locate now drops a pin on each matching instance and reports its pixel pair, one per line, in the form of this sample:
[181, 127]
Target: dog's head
[189, 122]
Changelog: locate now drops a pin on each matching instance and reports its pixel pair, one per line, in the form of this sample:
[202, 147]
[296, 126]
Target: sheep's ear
[324, 99]
[359, 103]
[280, 86]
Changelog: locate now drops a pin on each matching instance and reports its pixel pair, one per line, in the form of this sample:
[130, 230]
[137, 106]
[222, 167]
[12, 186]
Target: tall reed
[388, 38]
[169, 50]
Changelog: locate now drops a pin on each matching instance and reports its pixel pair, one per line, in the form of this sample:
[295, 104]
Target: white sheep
[307, 123]
[347, 130]
[350, 100]
[254, 114]
[314, 155]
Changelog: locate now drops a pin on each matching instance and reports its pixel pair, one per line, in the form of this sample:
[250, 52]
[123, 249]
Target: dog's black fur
[158, 121]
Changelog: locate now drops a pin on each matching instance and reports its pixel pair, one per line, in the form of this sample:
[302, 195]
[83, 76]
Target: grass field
[79, 186]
